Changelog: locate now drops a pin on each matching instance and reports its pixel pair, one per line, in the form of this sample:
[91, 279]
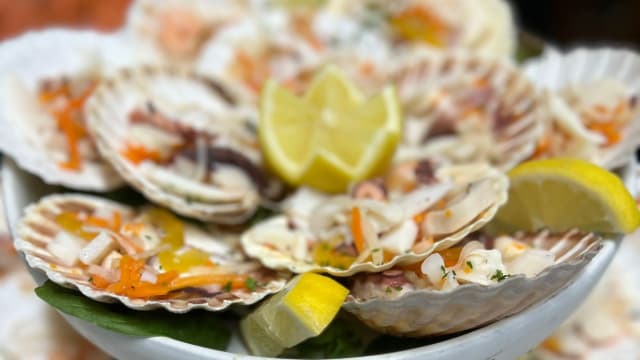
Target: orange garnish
[237, 281]
[99, 282]
[74, 130]
[302, 26]
[450, 256]
[356, 230]
[117, 220]
[419, 24]
[367, 68]
[133, 228]
[138, 153]
[542, 147]
[97, 222]
[253, 72]
[611, 131]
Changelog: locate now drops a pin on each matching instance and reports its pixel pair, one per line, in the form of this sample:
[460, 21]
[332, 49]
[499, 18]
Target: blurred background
[562, 23]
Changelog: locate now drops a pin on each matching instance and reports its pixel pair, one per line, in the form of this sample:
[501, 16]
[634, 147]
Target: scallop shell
[176, 30]
[482, 26]
[465, 108]
[432, 313]
[27, 131]
[283, 242]
[194, 104]
[36, 229]
[556, 71]
[266, 44]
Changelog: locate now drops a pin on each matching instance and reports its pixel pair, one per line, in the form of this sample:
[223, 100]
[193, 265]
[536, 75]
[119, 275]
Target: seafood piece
[465, 108]
[373, 230]
[183, 140]
[46, 79]
[176, 30]
[144, 258]
[471, 286]
[256, 49]
[591, 105]
[481, 26]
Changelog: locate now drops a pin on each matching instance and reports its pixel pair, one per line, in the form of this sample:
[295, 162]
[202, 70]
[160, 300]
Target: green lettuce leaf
[198, 327]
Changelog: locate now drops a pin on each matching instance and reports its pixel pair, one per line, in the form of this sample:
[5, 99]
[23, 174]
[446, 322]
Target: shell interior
[283, 242]
[557, 71]
[467, 108]
[208, 164]
[29, 132]
[431, 313]
[38, 228]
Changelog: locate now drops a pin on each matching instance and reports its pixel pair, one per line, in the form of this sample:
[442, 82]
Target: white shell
[52, 54]
[482, 26]
[36, 230]
[151, 23]
[504, 122]
[283, 242]
[431, 313]
[555, 71]
[194, 102]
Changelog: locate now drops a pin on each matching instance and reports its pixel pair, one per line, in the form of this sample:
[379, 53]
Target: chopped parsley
[375, 250]
[227, 287]
[387, 290]
[398, 288]
[251, 283]
[499, 276]
[470, 265]
[445, 273]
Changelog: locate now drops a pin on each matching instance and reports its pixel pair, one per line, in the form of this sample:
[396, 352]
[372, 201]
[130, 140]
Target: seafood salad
[382, 160]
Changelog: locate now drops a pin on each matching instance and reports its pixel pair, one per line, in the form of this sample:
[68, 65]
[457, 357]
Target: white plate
[503, 340]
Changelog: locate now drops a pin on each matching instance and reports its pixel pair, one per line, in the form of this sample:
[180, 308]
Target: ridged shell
[555, 71]
[432, 313]
[258, 242]
[25, 127]
[36, 229]
[500, 106]
[213, 108]
[176, 30]
[482, 26]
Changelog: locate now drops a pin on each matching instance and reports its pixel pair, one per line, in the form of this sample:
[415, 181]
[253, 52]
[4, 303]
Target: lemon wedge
[301, 311]
[332, 136]
[561, 194]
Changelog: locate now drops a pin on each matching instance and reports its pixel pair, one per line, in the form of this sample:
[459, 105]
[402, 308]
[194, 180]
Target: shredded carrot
[236, 281]
[253, 72]
[74, 130]
[138, 153]
[356, 230]
[97, 222]
[611, 131]
[99, 282]
[417, 23]
[302, 26]
[450, 255]
[133, 228]
[418, 219]
[117, 221]
[543, 146]
[552, 344]
[367, 68]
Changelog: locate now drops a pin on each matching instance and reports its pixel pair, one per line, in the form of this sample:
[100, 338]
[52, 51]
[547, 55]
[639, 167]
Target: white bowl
[505, 339]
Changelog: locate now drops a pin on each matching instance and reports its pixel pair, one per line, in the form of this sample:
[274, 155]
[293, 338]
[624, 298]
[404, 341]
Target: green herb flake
[375, 250]
[251, 284]
[388, 290]
[227, 287]
[398, 288]
[499, 276]
[470, 265]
